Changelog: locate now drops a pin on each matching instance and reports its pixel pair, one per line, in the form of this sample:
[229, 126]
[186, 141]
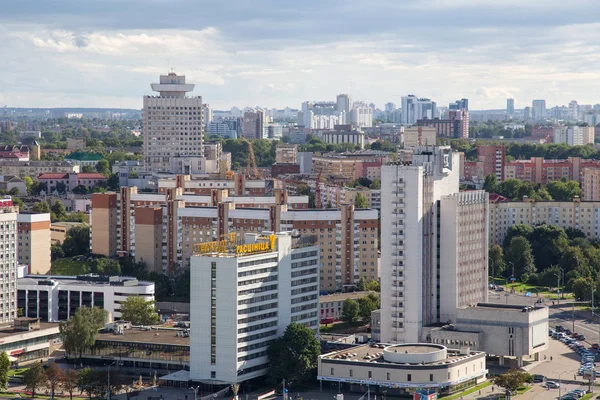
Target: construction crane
[318, 200]
[251, 166]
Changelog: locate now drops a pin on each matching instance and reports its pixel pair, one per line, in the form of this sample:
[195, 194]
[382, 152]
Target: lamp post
[559, 381]
[108, 380]
[558, 287]
[195, 389]
[513, 275]
[562, 274]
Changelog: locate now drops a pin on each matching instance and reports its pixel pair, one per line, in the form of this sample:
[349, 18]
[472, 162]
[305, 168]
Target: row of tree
[541, 254]
[516, 189]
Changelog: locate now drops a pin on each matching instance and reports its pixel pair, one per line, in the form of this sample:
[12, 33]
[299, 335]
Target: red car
[595, 346]
[575, 335]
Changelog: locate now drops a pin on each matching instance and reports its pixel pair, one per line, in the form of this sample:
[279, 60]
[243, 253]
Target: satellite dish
[296, 234]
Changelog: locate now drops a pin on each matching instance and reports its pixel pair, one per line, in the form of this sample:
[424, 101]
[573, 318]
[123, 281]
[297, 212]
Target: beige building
[34, 241]
[400, 370]
[58, 231]
[351, 165]
[75, 144]
[590, 184]
[419, 136]
[286, 153]
[36, 168]
[582, 215]
[347, 237]
[331, 304]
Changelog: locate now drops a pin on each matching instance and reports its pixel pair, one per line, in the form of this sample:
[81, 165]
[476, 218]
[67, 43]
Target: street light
[195, 389]
[558, 287]
[108, 376]
[559, 381]
[513, 275]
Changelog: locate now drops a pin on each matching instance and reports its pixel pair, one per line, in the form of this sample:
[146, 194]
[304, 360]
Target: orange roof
[90, 175]
[53, 176]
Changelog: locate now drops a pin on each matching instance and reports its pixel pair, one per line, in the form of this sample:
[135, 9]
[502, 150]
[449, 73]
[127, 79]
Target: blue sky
[277, 53]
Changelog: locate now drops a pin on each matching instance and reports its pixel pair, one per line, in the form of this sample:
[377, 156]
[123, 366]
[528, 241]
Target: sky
[278, 53]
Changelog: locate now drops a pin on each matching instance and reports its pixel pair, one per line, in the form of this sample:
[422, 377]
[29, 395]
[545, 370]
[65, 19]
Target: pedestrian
[480, 392]
[492, 388]
[550, 358]
[544, 359]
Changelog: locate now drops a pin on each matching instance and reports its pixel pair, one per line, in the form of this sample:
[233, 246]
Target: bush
[533, 279]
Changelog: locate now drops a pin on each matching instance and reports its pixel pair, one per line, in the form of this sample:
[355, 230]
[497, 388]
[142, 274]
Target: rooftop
[9, 330]
[163, 336]
[83, 156]
[342, 296]
[89, 279]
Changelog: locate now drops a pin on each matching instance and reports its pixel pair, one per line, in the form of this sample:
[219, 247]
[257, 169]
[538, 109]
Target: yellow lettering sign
[257, 247]
[220, 246]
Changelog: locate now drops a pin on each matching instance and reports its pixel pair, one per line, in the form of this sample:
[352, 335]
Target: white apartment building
[582, 215]
[433, 237]
[57, 298]
[362, 117]
[419, 136]
[574, 135]
[8, 259]
[243, 296]
[173, 123]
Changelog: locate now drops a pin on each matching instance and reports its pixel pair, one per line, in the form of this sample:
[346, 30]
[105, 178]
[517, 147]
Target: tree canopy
[294, 356]
[139, 311]
[79, 332]
[350, 310]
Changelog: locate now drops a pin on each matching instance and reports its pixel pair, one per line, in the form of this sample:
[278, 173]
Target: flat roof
[420, 349]
[342, 296]
[72, 280]
[9, 330]
[162, 336]
[373, 353]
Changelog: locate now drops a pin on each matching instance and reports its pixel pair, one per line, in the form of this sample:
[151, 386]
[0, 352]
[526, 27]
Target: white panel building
[173, 123]
[57, 298]
[244, 297]
[8, 259]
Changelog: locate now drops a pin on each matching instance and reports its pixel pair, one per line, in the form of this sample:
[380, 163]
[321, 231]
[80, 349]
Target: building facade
[172, 123]
[344, 134]
[34, 241]
[419, 136]
[8, 259]
[57, 298]
[243, 297]
[35, 168]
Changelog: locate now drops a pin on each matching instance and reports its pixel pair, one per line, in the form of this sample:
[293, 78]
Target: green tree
[18, 202]
[34, 378]
[61, 187]
[360, 201]
[520, 255]
[4, 367]
[14, 191]
[89, 382]
[80, 189]
[112, 182]
[56, 252]
[573, 259]
[512, 380]
[582, 288]
[350, 310]
[103, 167]
[87, 169]
[295, 355]
[58, 210]
[41, 207]
[69, 381]
[496, 261]
[563, 190]
[376, 184]
[79, 332]
[29, 184]
[490, 184]
[77, 241]
[361, 285]
[374, 286]
[574, 233]
[365, 307]
[516, 230]
[106, 267]
[53, 378]
[138, 311]
[548, 242]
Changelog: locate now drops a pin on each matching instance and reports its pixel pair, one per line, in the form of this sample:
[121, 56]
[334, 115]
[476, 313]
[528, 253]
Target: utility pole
[573, 316]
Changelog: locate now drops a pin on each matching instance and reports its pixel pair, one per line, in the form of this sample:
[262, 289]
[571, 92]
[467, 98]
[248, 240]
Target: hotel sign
[258, 247]
[219, 246]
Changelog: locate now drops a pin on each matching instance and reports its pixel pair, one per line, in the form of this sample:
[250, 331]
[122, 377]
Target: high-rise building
[343, 103]
[419, 136]
[390, 106]
[574, 135]
[427, 269]
[414, 108]
[510, 107]
[254, 125]
[172, 123]
[9, 243]
[462, 104]
[243, 297]
[207, 114]
[361, 117]
[538, 110]
[34, 241]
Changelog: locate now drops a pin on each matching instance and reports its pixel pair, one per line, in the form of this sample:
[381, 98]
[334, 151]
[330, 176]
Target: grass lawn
[468, 391]
[522, 390]
[587, 397]
[69, 266]
[17, 371]
[344, 327]
[534, 290]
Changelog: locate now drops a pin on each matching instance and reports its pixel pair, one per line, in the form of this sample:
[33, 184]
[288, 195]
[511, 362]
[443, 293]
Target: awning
[12, 359]
[177, 376]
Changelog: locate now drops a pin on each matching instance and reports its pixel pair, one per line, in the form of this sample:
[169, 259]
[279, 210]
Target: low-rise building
[54, 298]
[35, 168]
[27, 339]
[331, 304]
[58, 231]
[71, 180]
[84, 159]
[10, 182]
[345, 134]
[401, 369]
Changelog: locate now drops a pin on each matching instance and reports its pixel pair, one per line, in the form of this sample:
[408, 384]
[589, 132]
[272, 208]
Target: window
[332, 372]
[409, 378]
[351, 375]
[430, 377]
[213, 374]
[388, 376]
[370, 374]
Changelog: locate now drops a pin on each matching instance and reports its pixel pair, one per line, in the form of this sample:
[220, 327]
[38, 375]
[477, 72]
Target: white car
[552, 385]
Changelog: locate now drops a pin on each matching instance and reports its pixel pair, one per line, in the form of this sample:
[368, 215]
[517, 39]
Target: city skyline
[91, 55]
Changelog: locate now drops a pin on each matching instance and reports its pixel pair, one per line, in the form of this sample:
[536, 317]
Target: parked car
[552, 385]
[574, 334]
[539, 378]
[568, 332]
[558, 328]
[581, 392]
[581, 337]
[595, 346]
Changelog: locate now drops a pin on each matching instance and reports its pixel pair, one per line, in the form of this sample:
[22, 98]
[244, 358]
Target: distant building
[10, 182]
[15, 153]
[539, 110]
[8, 233]
[344, 103]
[462, 104]
[361, 117]
[590, 184]
[419, 136]
[71, 180]
[414, 108]
[510, 107]
[540, 170]
[286, 153]
[173, 123]
[253, 126]
[84, 159]
[58, 231]
[75, 144]
[345, 134]
[574, 135]
[456, 126]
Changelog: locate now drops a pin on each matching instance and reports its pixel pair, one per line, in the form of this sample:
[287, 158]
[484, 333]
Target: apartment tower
[34, 241]
[9, 260]
[425, 244]
[173, 123]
